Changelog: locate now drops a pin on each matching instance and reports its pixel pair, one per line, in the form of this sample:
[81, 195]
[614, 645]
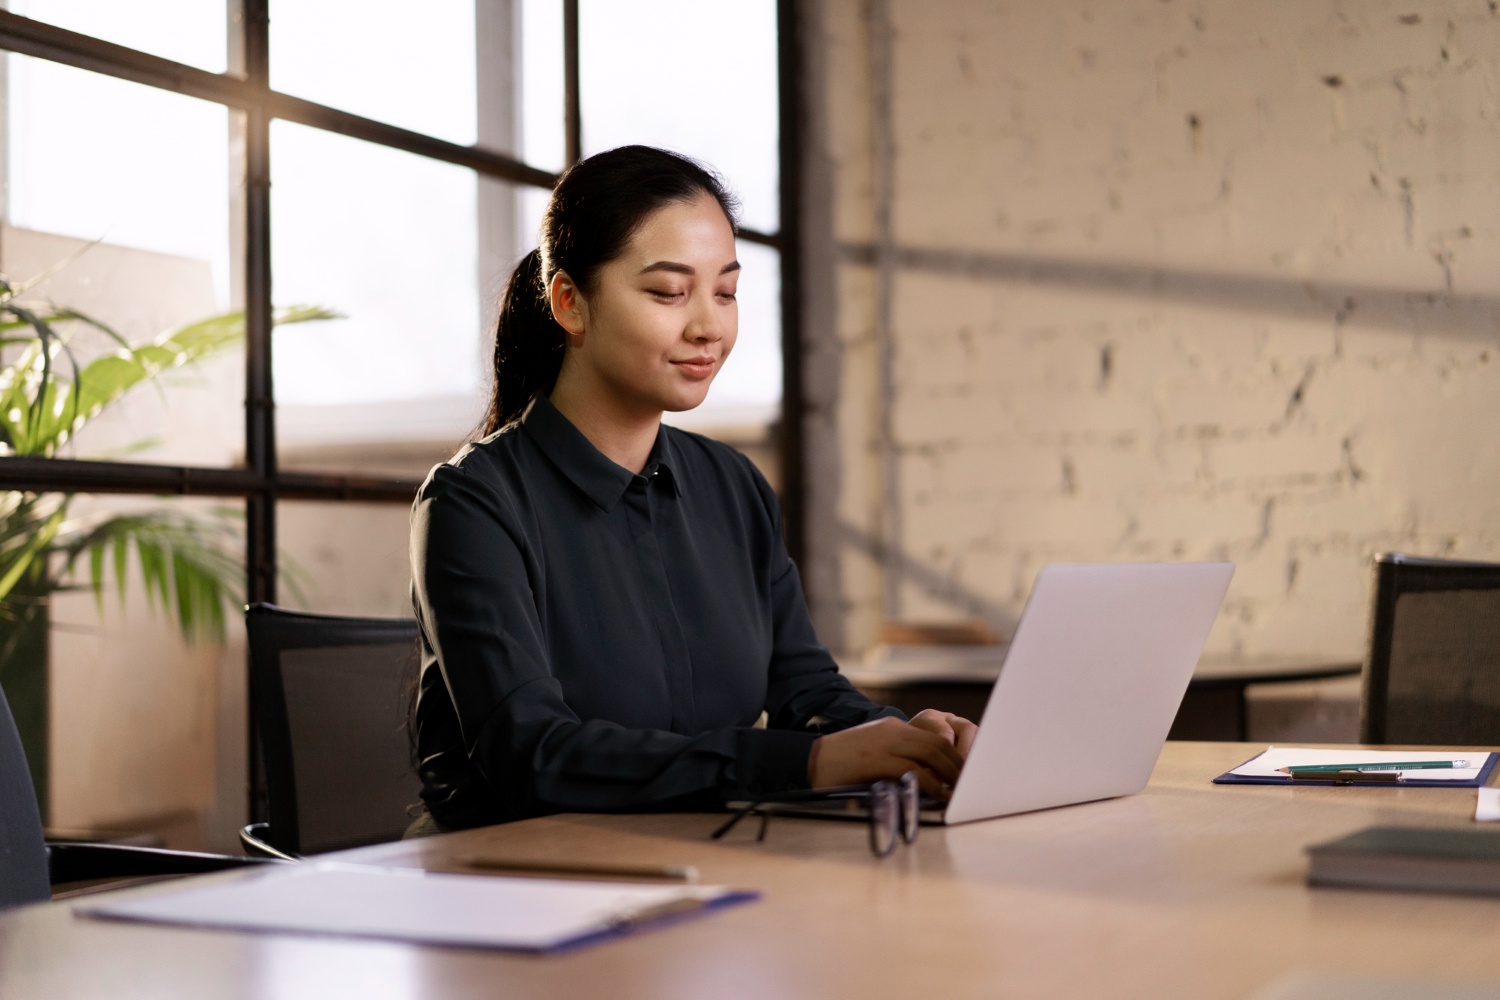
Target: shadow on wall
[1475, 316]
[934, 583]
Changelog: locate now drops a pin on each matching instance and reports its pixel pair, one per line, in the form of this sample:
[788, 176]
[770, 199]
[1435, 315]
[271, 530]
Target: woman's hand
[887, 748]
[954, 728]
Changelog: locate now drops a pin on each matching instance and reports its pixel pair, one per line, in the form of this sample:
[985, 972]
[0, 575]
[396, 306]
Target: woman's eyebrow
[676, 268]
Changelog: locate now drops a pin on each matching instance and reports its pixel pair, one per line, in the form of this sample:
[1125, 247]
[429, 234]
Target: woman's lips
[696, 368]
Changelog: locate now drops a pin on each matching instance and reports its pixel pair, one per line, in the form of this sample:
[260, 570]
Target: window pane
[699, 78]
[346, 558]
[747, 390]
[145, 728]
[185, 31]
[393, 242]
[381, 59]
[532, 202]
[543, 118]
[124, 194]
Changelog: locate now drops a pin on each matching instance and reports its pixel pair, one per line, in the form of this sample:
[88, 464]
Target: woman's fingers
[940, 724]
[932, 752]
[934, 721]
[965, 731]
[932, 786]
[888, 748]
[954, 728]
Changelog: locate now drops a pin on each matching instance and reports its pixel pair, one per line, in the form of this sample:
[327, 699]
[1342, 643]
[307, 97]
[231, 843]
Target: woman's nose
[705, 324]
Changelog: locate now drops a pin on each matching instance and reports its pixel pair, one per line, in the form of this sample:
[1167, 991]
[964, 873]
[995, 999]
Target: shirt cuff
[771, 761]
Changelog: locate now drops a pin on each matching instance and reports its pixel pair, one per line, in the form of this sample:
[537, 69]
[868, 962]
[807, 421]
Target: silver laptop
[1095, 674]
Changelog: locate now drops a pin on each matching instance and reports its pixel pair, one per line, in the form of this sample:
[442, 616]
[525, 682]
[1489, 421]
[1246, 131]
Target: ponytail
[528, 345]
[595, 209]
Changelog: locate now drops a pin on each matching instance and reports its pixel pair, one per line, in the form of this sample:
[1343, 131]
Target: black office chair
[30, 866]
[330, 697]
[1432, 670]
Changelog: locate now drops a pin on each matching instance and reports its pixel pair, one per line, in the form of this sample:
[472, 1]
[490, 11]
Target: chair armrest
[255, 844]
[76, 862]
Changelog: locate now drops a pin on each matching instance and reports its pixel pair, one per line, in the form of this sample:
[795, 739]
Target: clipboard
[1485, 769]
[417, 907]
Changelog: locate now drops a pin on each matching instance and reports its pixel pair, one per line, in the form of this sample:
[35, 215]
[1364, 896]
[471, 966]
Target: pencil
[1400, 765]
[582, 869]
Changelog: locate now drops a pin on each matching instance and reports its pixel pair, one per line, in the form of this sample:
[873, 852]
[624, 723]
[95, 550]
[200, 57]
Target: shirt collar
[663, 460]
[585, 466]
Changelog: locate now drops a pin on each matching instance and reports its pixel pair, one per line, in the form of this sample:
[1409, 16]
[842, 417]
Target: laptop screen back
[1097, 669]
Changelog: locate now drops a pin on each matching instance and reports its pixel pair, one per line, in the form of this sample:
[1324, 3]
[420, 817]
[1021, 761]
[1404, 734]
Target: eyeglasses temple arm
[729, 824]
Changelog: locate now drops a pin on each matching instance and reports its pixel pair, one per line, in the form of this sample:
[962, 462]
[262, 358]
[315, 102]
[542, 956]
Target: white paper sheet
[476, 911]
[1488, 807]
[1267, 765]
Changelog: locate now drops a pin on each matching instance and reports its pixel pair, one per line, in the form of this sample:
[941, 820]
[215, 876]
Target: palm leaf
[56, 408]
[9, 291]
[184, 562]
[47, 340]
[29, 531]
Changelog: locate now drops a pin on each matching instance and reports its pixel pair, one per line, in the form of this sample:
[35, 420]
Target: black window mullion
[29, 474]
[260, 407]
[70, 48]
[46, 41]
[772, 240]
[485, 161]
[788, 241]
[572, 93]
[260, 411]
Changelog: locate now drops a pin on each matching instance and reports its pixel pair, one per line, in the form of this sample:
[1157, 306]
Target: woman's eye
[728, 296]
[665, 294]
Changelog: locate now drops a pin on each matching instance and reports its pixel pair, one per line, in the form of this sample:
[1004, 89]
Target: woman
[606, 603]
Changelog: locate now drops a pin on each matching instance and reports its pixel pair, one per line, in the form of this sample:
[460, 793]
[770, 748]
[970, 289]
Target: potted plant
[190, 564]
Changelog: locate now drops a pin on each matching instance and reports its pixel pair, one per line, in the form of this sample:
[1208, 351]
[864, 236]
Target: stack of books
[1410, 858]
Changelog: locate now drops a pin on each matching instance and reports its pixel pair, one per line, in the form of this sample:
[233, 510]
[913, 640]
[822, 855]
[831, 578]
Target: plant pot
[24, 648]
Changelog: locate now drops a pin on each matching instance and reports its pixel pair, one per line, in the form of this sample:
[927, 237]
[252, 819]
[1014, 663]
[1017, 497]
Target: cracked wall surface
[1160, 280]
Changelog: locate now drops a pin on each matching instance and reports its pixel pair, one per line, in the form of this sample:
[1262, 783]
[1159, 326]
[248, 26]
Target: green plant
[189, 563]
[46, 396]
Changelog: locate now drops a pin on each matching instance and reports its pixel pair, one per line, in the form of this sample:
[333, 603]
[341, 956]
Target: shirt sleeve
[474, 585]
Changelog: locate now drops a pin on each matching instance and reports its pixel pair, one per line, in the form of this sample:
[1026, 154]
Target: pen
[1400, 765]
[583, 869]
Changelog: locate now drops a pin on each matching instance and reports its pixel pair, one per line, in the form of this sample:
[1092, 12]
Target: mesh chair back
[1432, 672]
[330, 698]
[23, 852]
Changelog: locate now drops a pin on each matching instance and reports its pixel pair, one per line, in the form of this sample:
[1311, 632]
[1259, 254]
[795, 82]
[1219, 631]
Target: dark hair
[595, 209]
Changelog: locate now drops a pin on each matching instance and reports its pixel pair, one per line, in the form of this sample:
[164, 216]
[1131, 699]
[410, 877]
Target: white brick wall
[1174, 280]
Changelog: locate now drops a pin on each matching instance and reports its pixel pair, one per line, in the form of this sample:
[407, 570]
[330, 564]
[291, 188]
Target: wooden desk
[1214, 707]
[1188, 890]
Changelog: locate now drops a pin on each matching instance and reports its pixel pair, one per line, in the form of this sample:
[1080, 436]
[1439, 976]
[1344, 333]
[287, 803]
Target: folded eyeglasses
[894, 809]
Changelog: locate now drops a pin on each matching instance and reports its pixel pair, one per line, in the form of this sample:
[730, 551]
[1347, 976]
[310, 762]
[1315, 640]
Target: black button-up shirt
[594, 639]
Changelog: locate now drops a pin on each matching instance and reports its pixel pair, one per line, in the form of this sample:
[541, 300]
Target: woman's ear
[568, 307]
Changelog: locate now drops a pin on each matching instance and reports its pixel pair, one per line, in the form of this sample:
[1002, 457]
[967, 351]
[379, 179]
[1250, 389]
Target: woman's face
[661, 318]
